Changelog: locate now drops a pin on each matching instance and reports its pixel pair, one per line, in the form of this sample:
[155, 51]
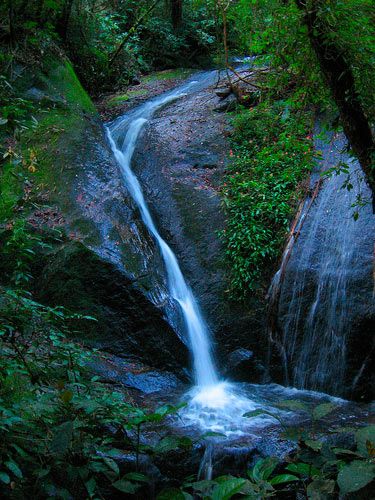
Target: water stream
[204, 368]
[213, 403]
[325, 280]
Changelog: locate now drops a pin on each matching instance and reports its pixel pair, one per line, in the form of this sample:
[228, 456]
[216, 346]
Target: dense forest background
[61, 427]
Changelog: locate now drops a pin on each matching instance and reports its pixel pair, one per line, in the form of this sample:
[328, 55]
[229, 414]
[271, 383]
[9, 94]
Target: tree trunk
[11, 22]
[131, 32]
[339, 77]
[62, 27]
[176, 13]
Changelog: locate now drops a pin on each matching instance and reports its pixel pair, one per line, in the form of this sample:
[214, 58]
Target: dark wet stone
[127, 322]
[40, 96]
[135, 81]
[135, 376]
[325, 317]
[240, 364]
[226, 105]
[345, 440]
[180, 162]
[223, 92]
[108, 265]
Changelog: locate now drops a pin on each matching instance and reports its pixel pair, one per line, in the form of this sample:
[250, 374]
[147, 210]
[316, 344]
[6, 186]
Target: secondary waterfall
[324, 285]
[204, 368]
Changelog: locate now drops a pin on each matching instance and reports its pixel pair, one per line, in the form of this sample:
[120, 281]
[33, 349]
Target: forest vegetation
[63, 429]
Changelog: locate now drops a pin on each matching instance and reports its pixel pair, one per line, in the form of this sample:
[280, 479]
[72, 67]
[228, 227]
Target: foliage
[108, 42]
[317, 470]
[62, 429]
[268, 164]
[271, 155]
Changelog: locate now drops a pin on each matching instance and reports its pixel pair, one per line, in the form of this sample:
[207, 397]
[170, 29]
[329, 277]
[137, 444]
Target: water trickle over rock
[325, 285]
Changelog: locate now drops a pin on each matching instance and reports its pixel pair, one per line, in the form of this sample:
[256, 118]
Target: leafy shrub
[317, 469]
[271, 155]
[61, 428]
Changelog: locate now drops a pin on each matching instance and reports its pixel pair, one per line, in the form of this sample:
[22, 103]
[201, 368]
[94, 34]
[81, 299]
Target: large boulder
[181, 161]
[323, 332]
[103, 262]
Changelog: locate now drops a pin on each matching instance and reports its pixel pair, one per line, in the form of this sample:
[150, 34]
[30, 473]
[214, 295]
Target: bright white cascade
[204, 368]
[213, 403]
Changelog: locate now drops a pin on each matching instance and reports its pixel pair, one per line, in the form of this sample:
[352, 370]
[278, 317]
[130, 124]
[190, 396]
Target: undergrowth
[63, 430]
[270, 158]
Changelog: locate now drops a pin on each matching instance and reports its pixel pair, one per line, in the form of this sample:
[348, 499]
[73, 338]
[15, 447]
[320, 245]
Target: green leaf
[365, 438]
[171, 494]
[225, 490]
[169, 443]
[355, 476]
[314, 445]
[322, 410]
[43, 472]
[4, 477]
[344, 451]
[90, 486]
[212, 434]
[320, 489]
[125, 486]
[66, 396]
[112, 465]
[20, 451]
[293, 404]
[303, 469]
[62, 438]
[256, 413]
[283, 478]
[136, 476]
[13, 467]
[204, 486]
[264, 468]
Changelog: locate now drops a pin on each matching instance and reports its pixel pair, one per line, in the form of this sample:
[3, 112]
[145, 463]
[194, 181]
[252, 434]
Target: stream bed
[213, 405]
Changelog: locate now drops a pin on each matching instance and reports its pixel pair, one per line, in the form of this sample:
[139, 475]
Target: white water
[204, 368]
[213, 404]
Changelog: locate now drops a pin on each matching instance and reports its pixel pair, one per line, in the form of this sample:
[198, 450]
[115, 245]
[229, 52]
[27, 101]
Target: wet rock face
[127, 322]
[326, 307]
[242, 365]
[180, 162]
[112, 269]
[108, 267]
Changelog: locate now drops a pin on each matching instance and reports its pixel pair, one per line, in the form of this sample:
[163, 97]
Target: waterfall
[180, 292]
[213, 404]
[324, 285]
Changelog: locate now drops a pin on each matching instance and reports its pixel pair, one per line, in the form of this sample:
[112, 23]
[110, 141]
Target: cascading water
[324, 285]
[204, 368]
[213, 403]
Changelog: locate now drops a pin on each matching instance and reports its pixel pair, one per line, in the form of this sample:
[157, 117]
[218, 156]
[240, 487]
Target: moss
[10, 191]
[168, 74]
[53, 141]
[57, 133]
[61, 81]
[119, 99]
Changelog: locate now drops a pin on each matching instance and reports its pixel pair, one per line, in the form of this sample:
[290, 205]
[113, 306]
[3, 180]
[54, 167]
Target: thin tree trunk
[11, 22]
[339, 77]
[176, 13]
[63, 24]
